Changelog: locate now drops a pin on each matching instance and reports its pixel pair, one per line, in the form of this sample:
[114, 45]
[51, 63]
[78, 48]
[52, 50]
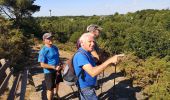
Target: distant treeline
[146, 32]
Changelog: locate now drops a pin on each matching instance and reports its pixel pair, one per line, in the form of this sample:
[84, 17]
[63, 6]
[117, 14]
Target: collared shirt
[50, 56]
[79, 60]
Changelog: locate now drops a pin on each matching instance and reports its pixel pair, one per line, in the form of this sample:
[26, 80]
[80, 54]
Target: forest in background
[144, 36]
[145, 33]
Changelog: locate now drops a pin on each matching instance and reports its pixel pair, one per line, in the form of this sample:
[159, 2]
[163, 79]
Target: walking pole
[115, 77]
[114, 81]
[102, 82]
[73, 91]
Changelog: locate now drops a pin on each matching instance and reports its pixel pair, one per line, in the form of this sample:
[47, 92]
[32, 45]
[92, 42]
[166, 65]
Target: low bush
[152, 74]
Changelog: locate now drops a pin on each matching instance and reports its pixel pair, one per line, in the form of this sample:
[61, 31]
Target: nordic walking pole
[120, 56]
[114, 79]
[102, 82]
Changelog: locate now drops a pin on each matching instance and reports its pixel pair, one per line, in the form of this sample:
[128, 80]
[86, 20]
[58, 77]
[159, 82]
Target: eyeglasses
[50, 38]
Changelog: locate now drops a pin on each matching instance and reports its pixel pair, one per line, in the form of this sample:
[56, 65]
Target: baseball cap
[46, 35]
[93, 27]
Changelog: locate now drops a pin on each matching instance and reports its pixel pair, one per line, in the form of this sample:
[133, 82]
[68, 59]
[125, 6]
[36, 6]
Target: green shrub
[151, 74]
[13, 46]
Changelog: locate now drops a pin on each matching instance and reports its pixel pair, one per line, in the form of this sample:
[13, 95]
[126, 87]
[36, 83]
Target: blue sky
[96, 7]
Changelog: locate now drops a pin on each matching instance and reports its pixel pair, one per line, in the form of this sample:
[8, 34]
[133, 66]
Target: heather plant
[151, 74]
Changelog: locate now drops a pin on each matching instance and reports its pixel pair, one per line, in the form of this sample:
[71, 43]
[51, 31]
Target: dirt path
[114, 85]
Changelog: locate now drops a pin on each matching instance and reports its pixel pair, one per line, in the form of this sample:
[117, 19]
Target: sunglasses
[50, 38]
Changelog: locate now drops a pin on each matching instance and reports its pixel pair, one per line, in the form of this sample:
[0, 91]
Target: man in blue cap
[49, 61]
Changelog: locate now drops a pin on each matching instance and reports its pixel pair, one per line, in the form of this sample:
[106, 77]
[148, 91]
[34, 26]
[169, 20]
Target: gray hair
[85, 36]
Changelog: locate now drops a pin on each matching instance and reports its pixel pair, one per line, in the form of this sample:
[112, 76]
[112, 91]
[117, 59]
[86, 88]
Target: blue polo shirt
[79, 60]
[50, 56]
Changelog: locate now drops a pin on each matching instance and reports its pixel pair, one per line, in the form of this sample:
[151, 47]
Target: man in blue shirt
[95, 31]
[86, 69]
[49, 61]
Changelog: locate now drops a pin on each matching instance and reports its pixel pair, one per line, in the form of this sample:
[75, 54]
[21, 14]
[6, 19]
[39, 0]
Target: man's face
[48, 41]
[96, 33]
[89, 44]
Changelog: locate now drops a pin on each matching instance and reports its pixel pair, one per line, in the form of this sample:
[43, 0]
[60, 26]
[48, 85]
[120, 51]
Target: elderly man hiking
[86, 69]
[49, 61]
[98, 55]
[94, 30]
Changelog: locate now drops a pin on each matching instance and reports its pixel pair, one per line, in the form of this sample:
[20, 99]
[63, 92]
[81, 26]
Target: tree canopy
[18, 9]
[146, 32]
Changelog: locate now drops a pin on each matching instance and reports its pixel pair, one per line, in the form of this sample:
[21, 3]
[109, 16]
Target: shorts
[88, 93]
[51, 79]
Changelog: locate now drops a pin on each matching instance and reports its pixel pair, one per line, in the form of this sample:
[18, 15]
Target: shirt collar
[84, 50]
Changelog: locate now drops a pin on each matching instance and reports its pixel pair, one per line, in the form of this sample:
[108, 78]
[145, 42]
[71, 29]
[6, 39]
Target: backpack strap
[77, 83]
[82, 52]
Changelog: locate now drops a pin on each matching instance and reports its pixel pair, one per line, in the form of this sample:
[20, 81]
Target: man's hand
[115, 59]
[58, 68]
[119, 57]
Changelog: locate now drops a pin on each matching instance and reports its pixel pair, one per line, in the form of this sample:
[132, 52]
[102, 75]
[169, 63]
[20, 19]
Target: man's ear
[81, 43]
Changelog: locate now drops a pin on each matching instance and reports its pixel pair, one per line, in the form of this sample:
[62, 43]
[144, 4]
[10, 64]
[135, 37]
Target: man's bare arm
[44, 65]
[93, 71]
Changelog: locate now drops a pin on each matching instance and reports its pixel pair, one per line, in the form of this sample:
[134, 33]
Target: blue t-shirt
[50, 56]
[79, 60]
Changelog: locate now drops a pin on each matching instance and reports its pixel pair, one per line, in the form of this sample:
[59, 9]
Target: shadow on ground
[70, 96]
[122, 90]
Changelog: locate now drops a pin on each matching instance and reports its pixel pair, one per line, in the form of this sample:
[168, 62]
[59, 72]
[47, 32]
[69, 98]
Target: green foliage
[146, 32]
[151, 74]
[18, 9]
[30, 26]
[75, 36]
[13, 46]
[147, 43]
[66, 46]
[61, 37]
